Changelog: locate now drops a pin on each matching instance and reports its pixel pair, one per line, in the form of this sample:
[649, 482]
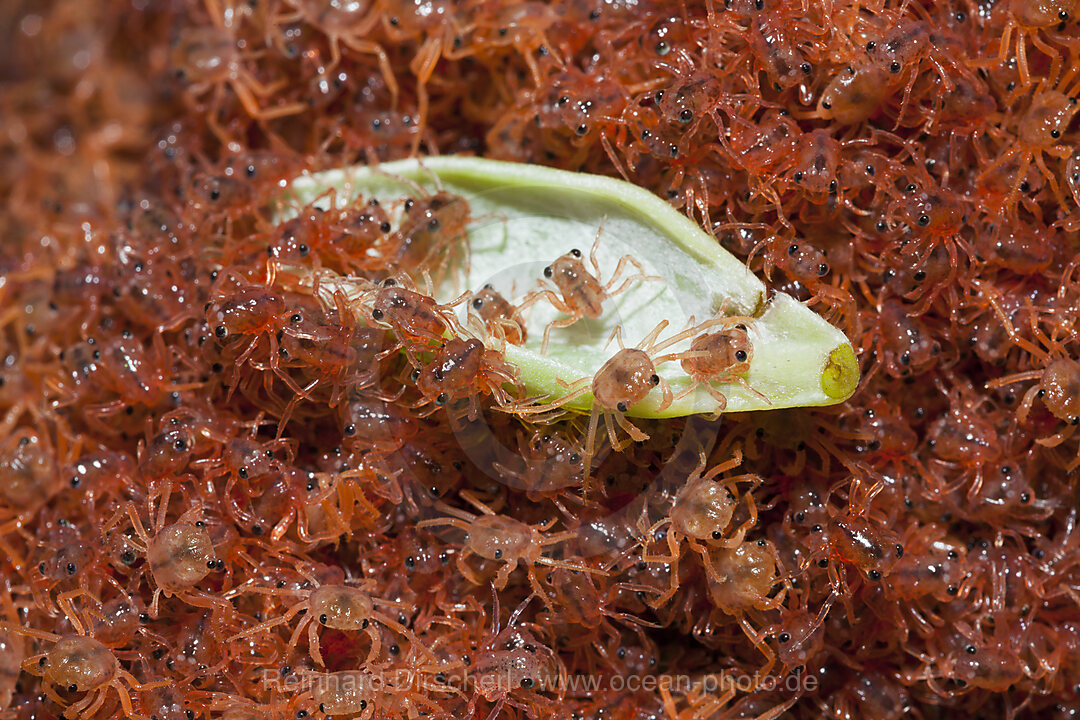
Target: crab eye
[478, 303]
[740, 355]
[655, 379]
[548, 272]
[621, 407]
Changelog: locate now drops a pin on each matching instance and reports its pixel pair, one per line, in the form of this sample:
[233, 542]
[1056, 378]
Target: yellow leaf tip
[840, 376]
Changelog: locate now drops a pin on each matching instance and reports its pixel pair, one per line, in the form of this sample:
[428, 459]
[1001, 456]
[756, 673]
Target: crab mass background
[223, 496]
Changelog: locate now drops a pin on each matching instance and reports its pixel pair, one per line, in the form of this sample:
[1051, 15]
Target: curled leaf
[523, 217]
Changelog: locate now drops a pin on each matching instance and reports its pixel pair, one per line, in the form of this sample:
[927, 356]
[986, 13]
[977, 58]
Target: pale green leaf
[525, 216]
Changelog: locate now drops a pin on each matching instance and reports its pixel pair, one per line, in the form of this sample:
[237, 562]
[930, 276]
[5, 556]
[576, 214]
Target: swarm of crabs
[224, 495]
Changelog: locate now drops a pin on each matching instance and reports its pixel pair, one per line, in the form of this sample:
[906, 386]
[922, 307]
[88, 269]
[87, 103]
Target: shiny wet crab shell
[703, 507]
[516, 660]
[1061, 389]
[625, 380]
[343, 693]
[180, 556]
[79, 664]
[496, 537]
[1042, 13]
[746, 573]
[340, 607]
[580, 289]
[727, 351]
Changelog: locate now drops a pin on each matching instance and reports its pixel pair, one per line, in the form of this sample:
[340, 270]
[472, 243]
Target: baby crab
[464, 370]
[546, 463]
[581, 294]
[363, 694]
[622, 382]
[1058, 383]
[509, 661]
[502, 538]
[80, 664]
[741, 580]
[701, 514]
[418, 320]
[496, 316]
[720, 357]
[432, 228]
[432, 234]
[338, 607]
[178, 556]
